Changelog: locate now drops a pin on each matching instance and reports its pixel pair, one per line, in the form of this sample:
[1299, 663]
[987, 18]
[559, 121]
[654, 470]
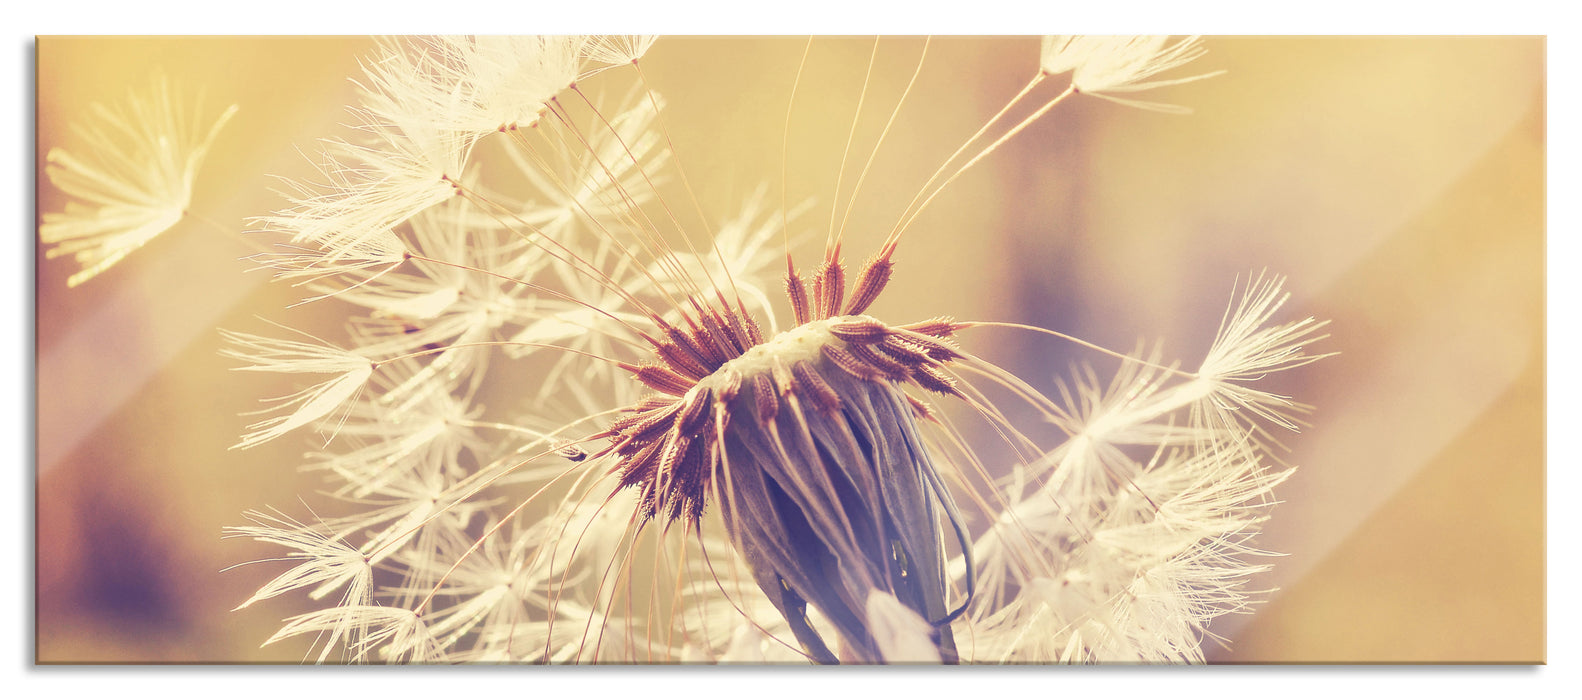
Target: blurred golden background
[1397, 182]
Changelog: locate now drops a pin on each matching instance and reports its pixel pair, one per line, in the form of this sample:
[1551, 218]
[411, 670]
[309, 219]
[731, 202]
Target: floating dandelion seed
[689, 485]
[1105, 65]
[132, 176]
[615, 50]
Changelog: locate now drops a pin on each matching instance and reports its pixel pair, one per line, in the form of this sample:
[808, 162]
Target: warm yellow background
[1398, 182]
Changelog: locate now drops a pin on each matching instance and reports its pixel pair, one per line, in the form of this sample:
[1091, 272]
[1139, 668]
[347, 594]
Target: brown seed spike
[737, 331]
[936, 348]
[829, 286]
[811, 385]
[939, 327]
[904, 350]
[920, 409]
[891, 368]
[768, 404]
[690, 481]
[716, 338]
[650, 402]
[660, 378]
[851, 365]
[669, 456]
[859, 330]
[694, 410]
[681, 361]
[935, 379]
[621, 426]
[875, 275]
[717, 353]
[797, 291]
[652, 425]
[640, 466]
[692, 348]
[754, 333]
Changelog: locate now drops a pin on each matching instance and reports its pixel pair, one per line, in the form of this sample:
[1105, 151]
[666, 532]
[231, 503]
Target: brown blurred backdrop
[1397, 182]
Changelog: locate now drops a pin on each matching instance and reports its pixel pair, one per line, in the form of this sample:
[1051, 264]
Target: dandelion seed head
[672, 481]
